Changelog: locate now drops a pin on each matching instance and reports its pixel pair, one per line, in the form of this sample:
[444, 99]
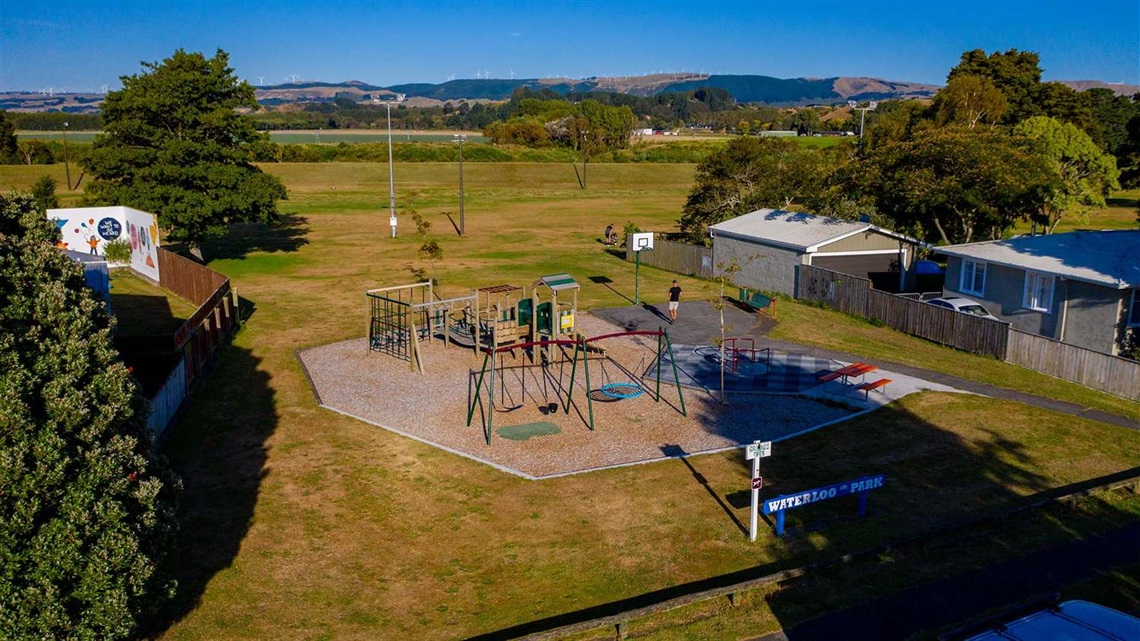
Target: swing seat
[622, 390]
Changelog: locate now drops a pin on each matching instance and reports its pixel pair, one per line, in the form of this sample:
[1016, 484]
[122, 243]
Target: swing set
[608, 391]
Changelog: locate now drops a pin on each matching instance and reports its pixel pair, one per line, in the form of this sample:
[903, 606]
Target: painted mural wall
[89, 229]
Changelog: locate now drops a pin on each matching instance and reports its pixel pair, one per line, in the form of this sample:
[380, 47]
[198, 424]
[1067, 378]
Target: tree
[87, 511]
[1110, 115]
[955, 185]
[174, 144]
[43, 194]
[969, 101]
[1084, 175]
[9, 151]
[748, 174]
[1129, 154]
[1016, 74]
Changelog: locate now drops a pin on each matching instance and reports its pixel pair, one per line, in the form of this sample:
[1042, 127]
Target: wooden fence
[190, 280]
[946, 326]
[682, 258]
[1100, 371]
[854, 295]
[199, 338]
[166, 401]
[844, 292]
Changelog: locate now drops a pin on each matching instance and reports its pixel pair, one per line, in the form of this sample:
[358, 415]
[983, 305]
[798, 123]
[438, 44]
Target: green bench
[758, 301]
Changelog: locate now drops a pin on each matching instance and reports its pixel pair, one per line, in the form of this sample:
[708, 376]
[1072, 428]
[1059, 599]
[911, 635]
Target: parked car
[964, 305]
[1072, 620]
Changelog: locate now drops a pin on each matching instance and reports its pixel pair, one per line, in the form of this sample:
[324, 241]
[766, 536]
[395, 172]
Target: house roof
[1110, 258]
[797, 230]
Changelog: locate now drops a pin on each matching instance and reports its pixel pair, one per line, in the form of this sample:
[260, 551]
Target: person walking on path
[674, 301]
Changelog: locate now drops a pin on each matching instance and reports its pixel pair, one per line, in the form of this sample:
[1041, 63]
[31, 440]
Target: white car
[964, 305]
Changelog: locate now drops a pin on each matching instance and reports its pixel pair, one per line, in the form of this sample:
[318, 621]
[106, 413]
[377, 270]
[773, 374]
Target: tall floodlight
[460, 138]
[391, 172]
[863, 113]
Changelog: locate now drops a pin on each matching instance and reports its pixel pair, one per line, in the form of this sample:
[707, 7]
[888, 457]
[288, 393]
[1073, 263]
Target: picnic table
[852, 370]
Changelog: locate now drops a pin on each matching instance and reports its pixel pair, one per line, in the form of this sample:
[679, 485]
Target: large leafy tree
[86, 509]
[1016, 74]
[748, 174]
[175, 144]
[1084, 175]
[955, 185]
[9, 151]
[970, 101]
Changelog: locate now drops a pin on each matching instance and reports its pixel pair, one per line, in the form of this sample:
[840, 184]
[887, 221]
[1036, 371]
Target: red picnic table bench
[873, 385]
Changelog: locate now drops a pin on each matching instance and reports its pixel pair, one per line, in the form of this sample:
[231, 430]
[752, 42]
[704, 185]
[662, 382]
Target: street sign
[758, 450]
[758, 483]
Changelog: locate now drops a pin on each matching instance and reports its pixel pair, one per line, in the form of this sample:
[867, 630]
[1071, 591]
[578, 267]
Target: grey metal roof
[81, 257]
[1110, 258]
[797, 230]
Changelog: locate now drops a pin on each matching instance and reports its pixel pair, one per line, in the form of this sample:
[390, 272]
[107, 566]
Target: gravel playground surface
[382, 390]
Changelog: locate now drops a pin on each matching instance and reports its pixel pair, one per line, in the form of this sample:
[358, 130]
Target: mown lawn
[302, 523]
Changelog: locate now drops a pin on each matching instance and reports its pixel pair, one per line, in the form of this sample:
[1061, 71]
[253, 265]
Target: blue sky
[73, 45]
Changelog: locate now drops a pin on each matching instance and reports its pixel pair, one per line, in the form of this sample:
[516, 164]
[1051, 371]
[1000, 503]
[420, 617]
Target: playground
[549, 406]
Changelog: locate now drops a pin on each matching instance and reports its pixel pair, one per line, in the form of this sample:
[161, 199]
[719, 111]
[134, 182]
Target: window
[1134, 310]
[973, 277]
[1038, 292]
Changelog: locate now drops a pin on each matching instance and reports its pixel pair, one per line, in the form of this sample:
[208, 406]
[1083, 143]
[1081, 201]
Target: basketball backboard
[642, 241]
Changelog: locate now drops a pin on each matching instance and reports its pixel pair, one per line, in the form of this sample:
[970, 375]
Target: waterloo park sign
[784, 502]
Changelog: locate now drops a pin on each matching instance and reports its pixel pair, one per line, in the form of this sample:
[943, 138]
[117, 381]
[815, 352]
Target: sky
[77, 45]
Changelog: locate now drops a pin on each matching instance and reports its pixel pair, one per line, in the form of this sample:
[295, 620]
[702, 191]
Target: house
[1078, 287]
[768, 244]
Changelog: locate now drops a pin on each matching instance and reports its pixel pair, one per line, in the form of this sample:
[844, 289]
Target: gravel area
[383, 391]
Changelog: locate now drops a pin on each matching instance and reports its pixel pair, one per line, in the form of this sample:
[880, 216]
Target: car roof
[1071, 620]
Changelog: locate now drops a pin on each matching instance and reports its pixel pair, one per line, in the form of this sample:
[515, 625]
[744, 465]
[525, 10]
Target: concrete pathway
[698, 323]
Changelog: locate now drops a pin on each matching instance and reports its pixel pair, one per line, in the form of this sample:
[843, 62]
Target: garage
[768, 244]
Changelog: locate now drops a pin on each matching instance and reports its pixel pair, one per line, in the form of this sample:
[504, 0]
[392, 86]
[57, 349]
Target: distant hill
[745, 88]
[780, 92]
[1120, 88]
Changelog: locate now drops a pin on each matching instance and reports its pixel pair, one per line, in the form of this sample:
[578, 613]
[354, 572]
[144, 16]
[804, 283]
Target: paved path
[958, 599]
[698, 323]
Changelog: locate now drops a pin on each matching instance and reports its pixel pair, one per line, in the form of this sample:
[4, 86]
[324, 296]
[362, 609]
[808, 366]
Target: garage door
[876, 267]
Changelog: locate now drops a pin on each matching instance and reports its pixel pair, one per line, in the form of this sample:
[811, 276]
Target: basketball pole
[637, 278]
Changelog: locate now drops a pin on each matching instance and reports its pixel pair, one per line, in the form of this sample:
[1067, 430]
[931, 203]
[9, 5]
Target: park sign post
[754, 452]
[639, 242]
[784, 502]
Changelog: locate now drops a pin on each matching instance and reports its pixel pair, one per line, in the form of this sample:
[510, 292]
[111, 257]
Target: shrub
[117, 251]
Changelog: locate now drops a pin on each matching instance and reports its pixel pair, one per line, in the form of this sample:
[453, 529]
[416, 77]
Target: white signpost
[754, 452]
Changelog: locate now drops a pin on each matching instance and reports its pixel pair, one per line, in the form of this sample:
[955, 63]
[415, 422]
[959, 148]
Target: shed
[768, 244]
[95, 274]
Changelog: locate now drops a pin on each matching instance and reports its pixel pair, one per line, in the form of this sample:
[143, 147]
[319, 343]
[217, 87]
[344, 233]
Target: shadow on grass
[144, 337]
[939, 485]
[218, 448]
[608, 282]
[678, 452]
[1120, 201]
[242, 239]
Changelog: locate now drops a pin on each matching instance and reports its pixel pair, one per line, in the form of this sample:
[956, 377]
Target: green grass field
[302, 523]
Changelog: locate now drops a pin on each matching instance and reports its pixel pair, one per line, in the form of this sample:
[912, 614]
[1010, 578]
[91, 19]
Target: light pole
[863, 113]
[460, 138]
[391, 173]
[66, 164]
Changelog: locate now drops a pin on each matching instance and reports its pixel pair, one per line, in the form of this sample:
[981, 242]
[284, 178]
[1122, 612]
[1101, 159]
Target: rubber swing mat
[527, 430]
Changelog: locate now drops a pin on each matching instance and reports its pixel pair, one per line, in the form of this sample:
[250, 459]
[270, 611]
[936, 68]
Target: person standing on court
[674, 301]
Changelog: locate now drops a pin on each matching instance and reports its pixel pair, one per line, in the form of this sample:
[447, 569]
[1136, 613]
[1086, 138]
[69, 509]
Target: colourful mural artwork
[80, 232]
